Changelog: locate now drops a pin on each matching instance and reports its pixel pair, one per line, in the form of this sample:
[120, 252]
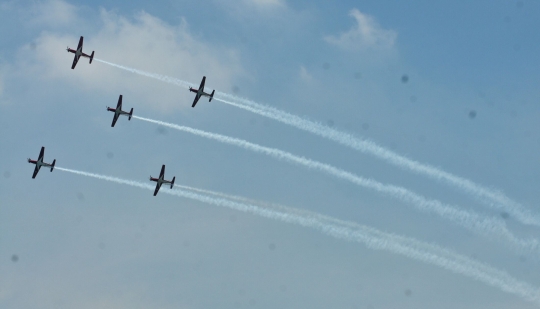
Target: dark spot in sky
[330, 122]
[472, 114]
[110, 155]
[507, 19]
[413, 98]
[101, 246]
[235, 89]
[252, 302]
[162, 131]
[519, 4]
[80, 197]
[522, 259]
[517, 47]
[365, 126]
[505, 215]
[272, 247]
[326, 65]
[283, 288]
[408, 292]
[404, 78]
[357, 75]
[14, 258]
[33, 46]
[7, 174]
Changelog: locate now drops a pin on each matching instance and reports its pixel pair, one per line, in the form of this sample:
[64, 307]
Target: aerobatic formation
[374, 239]
[117, 113]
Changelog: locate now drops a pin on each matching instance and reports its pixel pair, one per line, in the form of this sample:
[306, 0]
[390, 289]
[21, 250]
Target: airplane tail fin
[212, 95]
[172, 182]
[91, 57]
[130, 114]
[52, 165]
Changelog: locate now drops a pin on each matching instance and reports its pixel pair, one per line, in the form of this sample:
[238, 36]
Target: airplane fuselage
[160, 180]
[39, 163]
[78, 52]
[199, 92]
[117, 112]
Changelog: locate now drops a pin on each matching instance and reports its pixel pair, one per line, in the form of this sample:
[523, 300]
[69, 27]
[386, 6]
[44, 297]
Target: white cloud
[254, 8]
[265, 4]
[304, 74]
[366, 34]
[53, 13]
[143, 42]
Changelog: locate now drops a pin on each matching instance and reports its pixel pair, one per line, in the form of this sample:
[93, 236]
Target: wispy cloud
[53, 13]
[266, 3]
[365, 34]
[304, 74]
[143, 40]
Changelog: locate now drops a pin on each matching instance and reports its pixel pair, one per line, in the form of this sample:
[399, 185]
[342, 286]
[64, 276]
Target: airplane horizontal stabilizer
[172, 182]
[130, 114]
[91, 57]
[212, 95]
[52, 165]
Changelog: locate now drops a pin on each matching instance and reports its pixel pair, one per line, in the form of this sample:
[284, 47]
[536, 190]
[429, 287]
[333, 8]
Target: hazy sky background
[450, 83]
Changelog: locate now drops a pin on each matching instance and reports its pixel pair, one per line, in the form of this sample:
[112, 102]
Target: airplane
[78, 53]
[161, 180]
[118, 111]
[39, 163]
[200, 92]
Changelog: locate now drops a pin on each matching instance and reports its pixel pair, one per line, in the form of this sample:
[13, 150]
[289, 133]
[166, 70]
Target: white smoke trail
[486, 226]
[493, 198]
[370, 237]
[167, 79]
[490, 197]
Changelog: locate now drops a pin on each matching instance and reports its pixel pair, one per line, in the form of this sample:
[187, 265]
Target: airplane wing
[75, 60]
[162, 174]
[36, 170]
[80, 43]
[201, 87]
[41, 153]
[119, 105]
[158, 185]
[115, 117]
[197, 97]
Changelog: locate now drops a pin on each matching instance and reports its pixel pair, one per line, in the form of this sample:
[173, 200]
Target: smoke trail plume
[370, 237]
[486, 226]
[490, 197]
[163, 78]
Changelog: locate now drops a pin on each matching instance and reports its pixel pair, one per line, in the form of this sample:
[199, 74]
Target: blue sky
[449, 84]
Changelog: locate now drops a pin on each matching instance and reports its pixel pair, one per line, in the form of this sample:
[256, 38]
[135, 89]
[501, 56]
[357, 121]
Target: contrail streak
[486, 226]
[490, 197]
[370, 237]
[160, 77]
